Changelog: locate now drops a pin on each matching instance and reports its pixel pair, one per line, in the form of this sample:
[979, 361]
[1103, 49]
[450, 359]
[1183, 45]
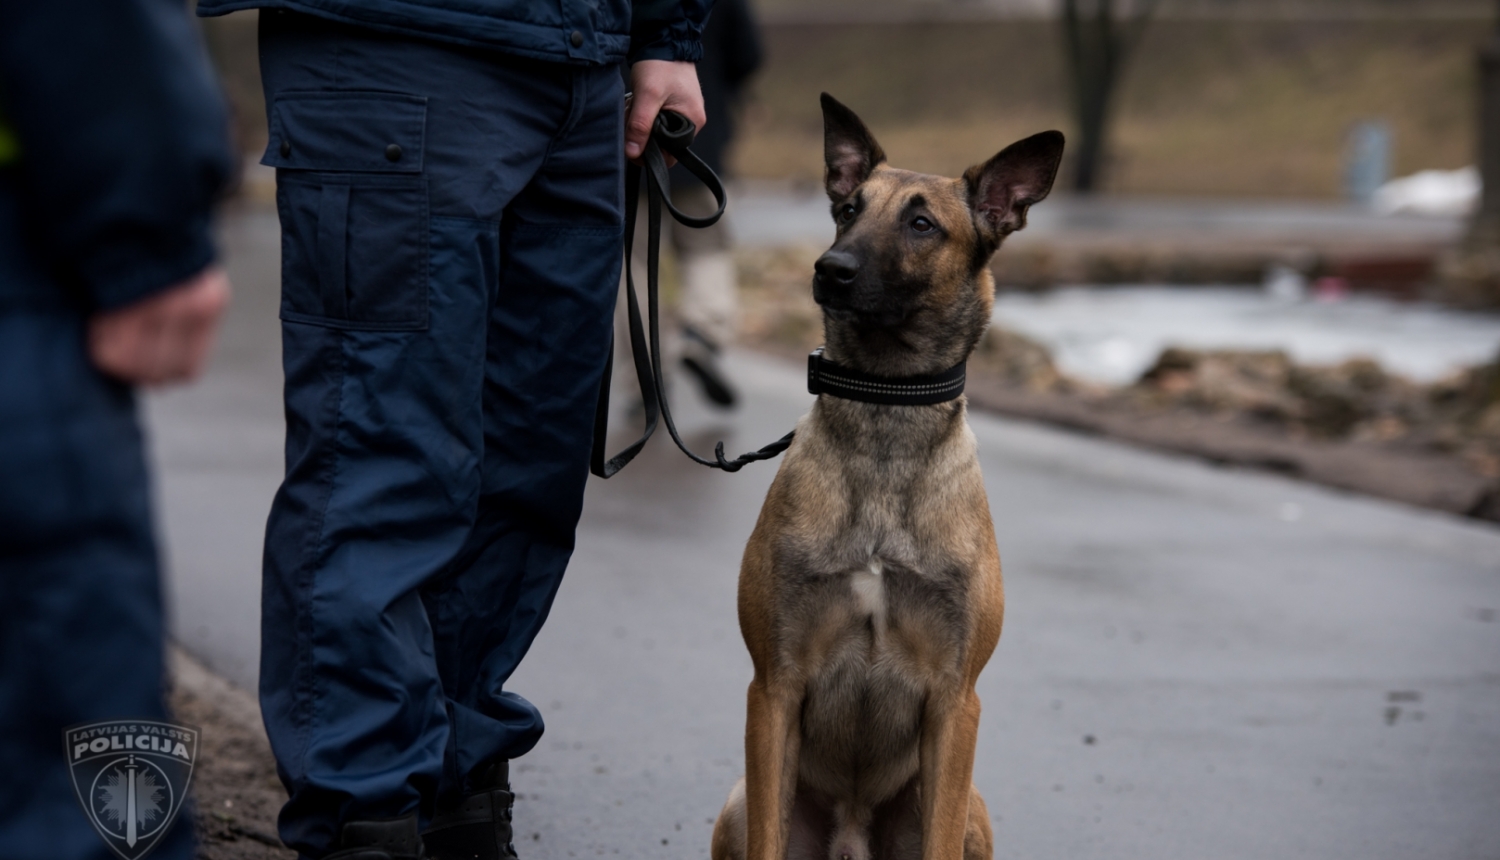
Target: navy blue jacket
[123, 147]
[566, 31]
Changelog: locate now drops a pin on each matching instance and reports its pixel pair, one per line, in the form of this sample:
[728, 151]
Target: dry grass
[1248, 108]
[1243, 109]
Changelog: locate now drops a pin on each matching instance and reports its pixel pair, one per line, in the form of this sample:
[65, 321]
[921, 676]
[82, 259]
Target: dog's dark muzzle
[837, 268]
[844, 290]
[836, 283]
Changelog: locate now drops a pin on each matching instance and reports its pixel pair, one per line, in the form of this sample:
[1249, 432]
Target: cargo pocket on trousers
[354, 251]
[353, 207]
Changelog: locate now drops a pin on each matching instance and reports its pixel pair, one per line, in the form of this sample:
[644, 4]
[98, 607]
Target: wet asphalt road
[1197, 663]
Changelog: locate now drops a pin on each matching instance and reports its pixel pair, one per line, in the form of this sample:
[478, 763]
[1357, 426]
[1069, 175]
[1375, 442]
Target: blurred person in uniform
[449, 183]
[113, 147]
[708, 304]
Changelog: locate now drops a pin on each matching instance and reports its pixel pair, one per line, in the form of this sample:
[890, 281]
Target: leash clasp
[814, 360]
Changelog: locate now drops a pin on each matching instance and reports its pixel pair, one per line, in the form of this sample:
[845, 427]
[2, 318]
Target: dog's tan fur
[870, 594]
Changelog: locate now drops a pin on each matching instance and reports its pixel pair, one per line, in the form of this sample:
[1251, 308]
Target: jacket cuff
[128, 269]
[668, 49]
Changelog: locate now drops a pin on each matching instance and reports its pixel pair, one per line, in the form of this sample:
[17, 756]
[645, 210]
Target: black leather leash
[673, 133]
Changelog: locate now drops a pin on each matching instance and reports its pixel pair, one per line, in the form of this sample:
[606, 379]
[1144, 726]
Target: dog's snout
[837, 266]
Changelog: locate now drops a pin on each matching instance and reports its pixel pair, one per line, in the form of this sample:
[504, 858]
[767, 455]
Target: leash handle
[673, 133]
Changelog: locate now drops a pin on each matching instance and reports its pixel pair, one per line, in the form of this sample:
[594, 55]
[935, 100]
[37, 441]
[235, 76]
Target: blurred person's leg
[81, 630]
[709, 304]
[442, 350]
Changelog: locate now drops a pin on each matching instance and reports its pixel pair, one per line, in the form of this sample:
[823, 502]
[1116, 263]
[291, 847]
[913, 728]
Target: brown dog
[870, 594]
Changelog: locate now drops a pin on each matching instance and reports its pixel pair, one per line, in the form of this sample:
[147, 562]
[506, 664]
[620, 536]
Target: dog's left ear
[1001, 189]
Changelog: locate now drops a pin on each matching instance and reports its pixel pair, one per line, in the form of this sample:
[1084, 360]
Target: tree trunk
[1489, 134]
[1097, 45]
[1469, 276]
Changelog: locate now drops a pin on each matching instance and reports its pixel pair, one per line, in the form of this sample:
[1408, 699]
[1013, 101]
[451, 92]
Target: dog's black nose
[837, 266]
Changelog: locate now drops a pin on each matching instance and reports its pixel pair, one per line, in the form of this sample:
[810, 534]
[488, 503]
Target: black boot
[701, 357]
[395, 839]
[478, 826]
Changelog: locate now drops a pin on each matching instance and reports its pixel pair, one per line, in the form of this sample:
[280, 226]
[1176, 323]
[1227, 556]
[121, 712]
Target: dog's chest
[882, 611]
[880, 636]
[874, 593]
[873, 564]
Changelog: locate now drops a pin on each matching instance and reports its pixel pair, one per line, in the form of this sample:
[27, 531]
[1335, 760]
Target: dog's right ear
[850, 152]
[1003, 188]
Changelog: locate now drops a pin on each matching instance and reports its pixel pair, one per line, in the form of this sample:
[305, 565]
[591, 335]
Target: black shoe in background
[701, 357]
[478, 826]
[395, 839]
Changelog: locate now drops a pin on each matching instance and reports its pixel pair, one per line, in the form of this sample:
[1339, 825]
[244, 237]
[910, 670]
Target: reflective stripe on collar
[827, 377]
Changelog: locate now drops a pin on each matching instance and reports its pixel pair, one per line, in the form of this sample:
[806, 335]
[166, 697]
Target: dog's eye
[922, 225]
[845, 213]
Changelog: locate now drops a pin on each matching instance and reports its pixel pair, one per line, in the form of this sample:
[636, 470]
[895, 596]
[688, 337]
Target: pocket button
[576, 39]
[393, 152]
[286, 148]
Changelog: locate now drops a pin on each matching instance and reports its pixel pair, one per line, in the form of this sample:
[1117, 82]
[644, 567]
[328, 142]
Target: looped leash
[673, 133]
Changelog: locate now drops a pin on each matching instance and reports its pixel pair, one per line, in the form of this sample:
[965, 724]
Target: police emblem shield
[132, 778]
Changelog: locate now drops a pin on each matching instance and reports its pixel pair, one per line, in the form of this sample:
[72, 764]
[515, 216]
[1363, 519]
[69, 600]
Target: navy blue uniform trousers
[80, 603]
[451, 240]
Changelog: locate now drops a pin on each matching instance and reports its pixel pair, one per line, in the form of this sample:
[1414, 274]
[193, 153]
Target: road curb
[192, 676]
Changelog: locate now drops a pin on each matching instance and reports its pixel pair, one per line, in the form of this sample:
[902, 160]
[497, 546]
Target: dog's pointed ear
[850, 152]
[1001, 189]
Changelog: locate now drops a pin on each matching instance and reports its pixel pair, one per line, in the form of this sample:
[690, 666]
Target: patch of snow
[1111, 335]
[1430, 192]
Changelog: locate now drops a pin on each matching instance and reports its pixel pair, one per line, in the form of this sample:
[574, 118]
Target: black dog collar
[826, 377]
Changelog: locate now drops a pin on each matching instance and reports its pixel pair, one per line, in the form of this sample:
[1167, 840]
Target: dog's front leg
[950, 729]
[773, 738]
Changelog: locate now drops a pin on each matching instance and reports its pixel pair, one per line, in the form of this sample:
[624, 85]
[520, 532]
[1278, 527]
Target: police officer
[449, 186]
[113, 145]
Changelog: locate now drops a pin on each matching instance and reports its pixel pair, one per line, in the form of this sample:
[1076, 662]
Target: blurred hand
[162, 338]
[658, 84]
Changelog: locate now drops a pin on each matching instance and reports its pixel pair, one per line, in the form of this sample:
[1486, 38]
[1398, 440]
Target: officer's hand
[659, 84]
[165, 337]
